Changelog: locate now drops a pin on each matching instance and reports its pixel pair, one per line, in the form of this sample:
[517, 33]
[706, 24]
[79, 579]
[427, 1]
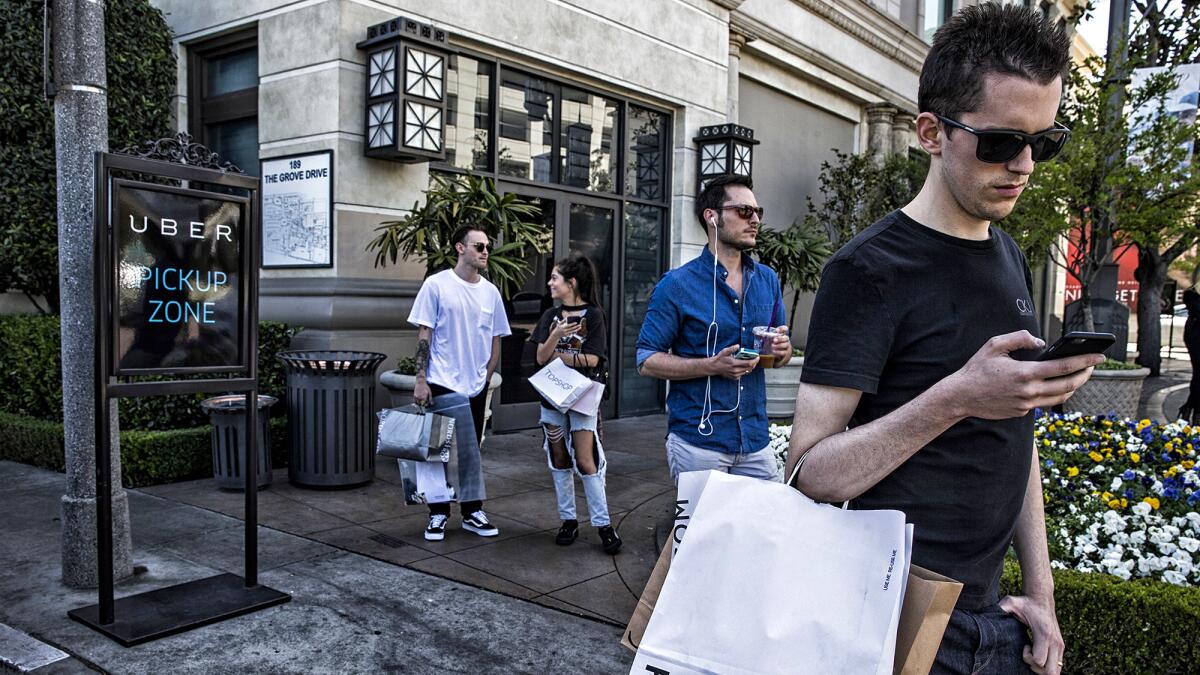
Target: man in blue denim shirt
[699, 316]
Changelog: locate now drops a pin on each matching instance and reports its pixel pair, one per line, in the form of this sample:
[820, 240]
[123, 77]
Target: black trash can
[228, 414]
[331, 417]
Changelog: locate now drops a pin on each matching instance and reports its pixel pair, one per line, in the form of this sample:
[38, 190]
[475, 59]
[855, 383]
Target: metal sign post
[176, 292]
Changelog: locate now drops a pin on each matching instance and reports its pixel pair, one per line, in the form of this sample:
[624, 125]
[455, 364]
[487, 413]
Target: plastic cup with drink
[764, 342]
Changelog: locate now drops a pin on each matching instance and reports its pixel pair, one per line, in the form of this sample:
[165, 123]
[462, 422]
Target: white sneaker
[436, 530]
[478, 523]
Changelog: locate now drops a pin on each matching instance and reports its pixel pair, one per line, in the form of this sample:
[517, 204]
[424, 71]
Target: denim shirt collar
[706, 261]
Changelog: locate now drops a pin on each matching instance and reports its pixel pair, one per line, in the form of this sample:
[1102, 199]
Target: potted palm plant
[424, 235]
[797, 254]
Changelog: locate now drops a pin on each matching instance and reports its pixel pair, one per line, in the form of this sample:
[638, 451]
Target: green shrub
[31, 376]
[141, 74]
[1115, 626]
[147, 457]
[32, 441]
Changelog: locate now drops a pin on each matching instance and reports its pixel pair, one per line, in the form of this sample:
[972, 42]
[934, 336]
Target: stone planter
[1109, 391]
[400, 390]
[782, 384]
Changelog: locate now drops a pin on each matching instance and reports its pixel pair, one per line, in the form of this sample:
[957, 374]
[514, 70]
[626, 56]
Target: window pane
[518, 356]
[232, 72]
[588, 124]
[526, 126]
[236, 141]
[468, 112]
[642, 268]
[645, 158]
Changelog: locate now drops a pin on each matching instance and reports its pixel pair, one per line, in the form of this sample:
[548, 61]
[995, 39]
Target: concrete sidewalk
[368, 592]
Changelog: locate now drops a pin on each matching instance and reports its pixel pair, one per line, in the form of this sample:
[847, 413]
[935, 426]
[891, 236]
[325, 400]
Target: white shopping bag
[560, 384]
[589, 402]
[771, 582]
[687, 494]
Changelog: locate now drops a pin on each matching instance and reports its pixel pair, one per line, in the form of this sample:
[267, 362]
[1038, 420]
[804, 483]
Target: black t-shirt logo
[1024, 308]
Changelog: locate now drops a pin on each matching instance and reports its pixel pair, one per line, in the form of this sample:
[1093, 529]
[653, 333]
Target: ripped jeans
[564, 479]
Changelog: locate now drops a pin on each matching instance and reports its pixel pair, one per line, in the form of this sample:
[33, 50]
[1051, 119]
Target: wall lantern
[725, 149]
[406, 91]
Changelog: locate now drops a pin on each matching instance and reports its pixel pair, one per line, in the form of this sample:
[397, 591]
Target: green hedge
[1115, 626]
[141, 73]
[31, 376]
[147, 457]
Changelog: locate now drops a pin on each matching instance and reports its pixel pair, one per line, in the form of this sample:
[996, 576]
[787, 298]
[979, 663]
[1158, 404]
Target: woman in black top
[577, 334]
[1191, 339]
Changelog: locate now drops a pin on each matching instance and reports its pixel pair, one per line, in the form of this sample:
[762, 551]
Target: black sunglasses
[745, 210]
[480, 247]
[996, 146]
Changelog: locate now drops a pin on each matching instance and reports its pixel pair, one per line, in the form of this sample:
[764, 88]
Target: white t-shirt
[464, 318]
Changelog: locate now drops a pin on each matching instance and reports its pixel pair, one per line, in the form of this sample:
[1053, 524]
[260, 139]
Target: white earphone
[705, 428]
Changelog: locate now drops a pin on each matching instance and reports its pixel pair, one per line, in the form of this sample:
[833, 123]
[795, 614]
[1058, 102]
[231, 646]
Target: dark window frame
[620, 134]
[203, 109]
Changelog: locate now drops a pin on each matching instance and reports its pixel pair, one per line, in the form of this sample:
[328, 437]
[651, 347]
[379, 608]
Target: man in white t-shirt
[460, 319]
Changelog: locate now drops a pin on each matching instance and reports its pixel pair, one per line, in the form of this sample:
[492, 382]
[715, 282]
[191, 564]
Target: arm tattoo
[422, 356]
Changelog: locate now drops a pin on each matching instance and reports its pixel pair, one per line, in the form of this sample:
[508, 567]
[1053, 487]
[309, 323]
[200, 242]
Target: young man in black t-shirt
[921, 342]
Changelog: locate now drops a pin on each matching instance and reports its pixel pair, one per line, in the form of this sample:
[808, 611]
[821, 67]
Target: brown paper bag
[928, 601]
[632, 637]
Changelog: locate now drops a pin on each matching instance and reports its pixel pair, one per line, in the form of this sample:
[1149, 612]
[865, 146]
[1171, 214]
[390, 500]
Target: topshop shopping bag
[810, 589]
[561, 384]
[412, 433]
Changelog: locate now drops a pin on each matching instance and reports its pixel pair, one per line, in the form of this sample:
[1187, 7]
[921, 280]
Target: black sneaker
[609, 539]
[567, 533]
[478, 523]
[436, 530]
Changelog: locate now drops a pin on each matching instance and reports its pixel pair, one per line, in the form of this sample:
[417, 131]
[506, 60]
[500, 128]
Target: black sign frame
[174, 609]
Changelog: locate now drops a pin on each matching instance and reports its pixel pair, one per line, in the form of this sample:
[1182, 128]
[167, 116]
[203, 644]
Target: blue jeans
[564, 479]
[470, 486]
[683, 456]
[982, 642]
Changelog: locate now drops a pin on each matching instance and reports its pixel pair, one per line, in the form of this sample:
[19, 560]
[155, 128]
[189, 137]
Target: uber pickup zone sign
[179, 264]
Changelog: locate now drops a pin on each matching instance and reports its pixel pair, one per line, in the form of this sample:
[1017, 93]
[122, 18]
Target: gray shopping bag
[411, 433]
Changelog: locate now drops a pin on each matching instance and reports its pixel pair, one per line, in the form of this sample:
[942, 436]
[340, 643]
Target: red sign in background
[1127, 285]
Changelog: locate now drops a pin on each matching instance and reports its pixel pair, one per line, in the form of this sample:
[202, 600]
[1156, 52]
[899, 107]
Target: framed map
[297, 210]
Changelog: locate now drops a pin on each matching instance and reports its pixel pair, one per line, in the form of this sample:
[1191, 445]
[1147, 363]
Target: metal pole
[104, 536]
[80, 130]
[251, 576]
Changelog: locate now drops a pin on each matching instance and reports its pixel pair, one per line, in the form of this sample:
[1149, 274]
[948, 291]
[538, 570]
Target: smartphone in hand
[1076, 343]
[746, 354]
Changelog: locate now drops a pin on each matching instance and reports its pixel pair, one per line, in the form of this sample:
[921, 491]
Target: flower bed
[1122, 496]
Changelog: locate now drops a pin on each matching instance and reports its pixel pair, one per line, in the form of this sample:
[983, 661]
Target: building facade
[587, 108]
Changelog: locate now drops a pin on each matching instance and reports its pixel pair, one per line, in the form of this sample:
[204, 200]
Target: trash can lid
[331, 362]
[234, 402]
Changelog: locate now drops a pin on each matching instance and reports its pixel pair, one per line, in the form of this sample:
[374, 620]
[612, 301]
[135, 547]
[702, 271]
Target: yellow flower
[1124, 502]
[1046, 442]
[1073, 471]
[1114, 504]
[1075, 431]
[1106, 496]
[1046, 498]
[1152, 501]
[1134, 457]
[1187, 464]
[1096, 457]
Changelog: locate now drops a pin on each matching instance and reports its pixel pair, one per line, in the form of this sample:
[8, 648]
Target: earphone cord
[705, 427]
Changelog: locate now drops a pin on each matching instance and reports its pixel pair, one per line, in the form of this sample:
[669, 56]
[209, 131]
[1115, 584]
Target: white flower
[1189, 544]
[1116, 484]
[1141, 508]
